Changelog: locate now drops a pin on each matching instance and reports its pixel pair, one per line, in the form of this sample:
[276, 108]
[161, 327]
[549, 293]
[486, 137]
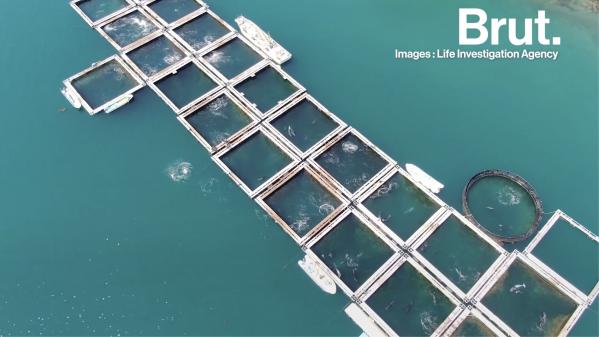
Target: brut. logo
[473, 20]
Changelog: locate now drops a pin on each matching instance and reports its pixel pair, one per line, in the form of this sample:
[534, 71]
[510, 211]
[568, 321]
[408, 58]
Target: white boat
[317, 275]
[422, 177]
[71, 97]
[263, 40]
[124, 100]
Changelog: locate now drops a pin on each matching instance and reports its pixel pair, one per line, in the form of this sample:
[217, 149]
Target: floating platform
[239, 161]
[305, 125]
[266, 89]
[95, 12]
[351, 162]
[362, 220]
[545, 250]
[219, 121]
[103, 86]
[539, 305]
[201, 31]
[302, 203]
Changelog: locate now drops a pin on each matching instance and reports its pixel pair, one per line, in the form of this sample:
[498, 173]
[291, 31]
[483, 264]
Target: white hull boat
[317, 275]
[263, 40]
[71, 97]
[422, 177]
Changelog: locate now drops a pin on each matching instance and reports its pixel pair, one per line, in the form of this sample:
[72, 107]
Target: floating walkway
[385, 239]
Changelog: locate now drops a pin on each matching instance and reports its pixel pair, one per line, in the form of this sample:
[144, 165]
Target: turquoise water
[97, 239]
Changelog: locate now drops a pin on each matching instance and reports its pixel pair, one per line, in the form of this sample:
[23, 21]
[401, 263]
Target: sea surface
[121, 224]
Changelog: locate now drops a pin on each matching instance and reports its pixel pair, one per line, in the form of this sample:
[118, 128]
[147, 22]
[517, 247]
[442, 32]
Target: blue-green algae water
[97, 239]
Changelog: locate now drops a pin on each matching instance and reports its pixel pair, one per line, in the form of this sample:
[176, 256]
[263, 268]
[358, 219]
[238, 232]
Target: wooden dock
[467, 303]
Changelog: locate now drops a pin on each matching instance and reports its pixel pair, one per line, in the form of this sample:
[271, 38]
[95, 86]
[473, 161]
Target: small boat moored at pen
[119, 103]
[425, 179]
[71, 97]
[317, 275]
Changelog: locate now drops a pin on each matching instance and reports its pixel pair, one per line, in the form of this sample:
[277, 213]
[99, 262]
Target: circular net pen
[503, 205]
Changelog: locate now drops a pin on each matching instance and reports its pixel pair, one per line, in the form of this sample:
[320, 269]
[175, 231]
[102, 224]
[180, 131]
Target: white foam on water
[384, 189]
[142, 26]
[301, 223]
[121, 75]
[509, 196]
[349, 147]
[217, 105]
[220, 137]
[172, 58]
[206, 187]
[262, 216]
[428, 322]
[217, 58]
[362, 179]
[179, 171]
[351, 261]
[331, 158]
[326, 209]
[208, 39]
[518, 288]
